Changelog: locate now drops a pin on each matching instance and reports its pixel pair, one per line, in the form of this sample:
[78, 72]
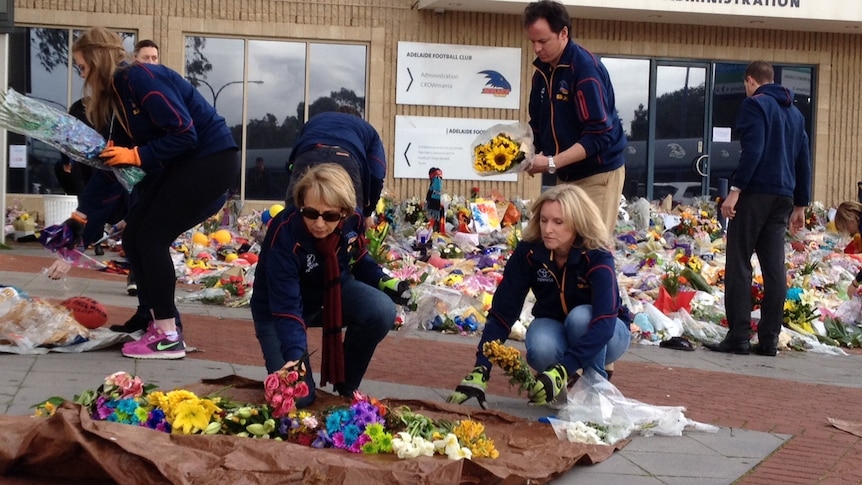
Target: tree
[640, 124]
[680, 114]
[52, 47]
[197, 64]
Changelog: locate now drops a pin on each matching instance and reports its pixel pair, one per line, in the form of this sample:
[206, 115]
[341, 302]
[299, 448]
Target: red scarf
[332, 359]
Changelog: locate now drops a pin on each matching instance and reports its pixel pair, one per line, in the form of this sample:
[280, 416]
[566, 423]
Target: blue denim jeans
[367, 313]
[548, 339]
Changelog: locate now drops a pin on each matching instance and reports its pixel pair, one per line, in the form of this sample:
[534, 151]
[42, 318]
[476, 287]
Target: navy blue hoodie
[775, 156]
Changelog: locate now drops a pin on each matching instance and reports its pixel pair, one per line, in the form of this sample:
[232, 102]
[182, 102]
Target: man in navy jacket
[576, 131]
[771, 185]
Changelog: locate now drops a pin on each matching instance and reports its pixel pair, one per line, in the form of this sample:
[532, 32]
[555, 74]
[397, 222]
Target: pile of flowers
[694, 222]
[365, 425]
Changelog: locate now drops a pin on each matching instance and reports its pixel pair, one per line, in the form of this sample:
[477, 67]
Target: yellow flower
[191, 416]
[510, 360]
[472, 435]
[498, 155]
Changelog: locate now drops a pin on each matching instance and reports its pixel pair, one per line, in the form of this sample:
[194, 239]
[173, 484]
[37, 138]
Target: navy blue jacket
[588, 278]
[289, 279]
[166, 117]
[775, 157]
[357, 137]
[573, 102]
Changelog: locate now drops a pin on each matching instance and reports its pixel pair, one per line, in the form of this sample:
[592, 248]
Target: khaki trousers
[605, 189]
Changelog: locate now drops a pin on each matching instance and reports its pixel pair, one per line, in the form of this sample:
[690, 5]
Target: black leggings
[171, 206]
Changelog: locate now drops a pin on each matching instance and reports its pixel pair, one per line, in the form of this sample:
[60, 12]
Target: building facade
[268, 65]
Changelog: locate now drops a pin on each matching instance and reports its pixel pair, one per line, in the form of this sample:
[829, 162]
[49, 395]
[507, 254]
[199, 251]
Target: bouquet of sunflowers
[503, 149]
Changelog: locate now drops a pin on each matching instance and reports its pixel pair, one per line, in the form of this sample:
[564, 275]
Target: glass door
[681, 155]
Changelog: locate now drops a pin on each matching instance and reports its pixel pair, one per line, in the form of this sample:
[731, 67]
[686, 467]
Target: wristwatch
[552, 169]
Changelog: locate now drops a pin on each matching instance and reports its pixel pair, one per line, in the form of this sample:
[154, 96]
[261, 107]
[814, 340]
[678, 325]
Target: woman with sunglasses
[314, 271]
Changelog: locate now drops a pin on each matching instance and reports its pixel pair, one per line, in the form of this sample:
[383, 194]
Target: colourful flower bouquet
[503, 149]
[60, 130]
[283, 387]
[364, 426]
[671, 298]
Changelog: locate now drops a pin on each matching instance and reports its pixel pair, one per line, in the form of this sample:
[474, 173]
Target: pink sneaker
[155, 345]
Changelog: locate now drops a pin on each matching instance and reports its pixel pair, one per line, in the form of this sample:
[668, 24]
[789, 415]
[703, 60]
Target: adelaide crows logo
[496, 85]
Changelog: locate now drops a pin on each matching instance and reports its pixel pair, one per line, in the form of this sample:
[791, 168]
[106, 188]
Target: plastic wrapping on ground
[29, 323]
[594, 400]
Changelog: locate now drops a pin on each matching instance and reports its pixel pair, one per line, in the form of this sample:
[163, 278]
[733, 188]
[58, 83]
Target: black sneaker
[139, 321]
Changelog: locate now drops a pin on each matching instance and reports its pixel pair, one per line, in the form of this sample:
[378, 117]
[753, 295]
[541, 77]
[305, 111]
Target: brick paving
[817, 453]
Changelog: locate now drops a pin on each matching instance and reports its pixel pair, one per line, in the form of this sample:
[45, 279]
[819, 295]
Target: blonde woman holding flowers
[565, 258]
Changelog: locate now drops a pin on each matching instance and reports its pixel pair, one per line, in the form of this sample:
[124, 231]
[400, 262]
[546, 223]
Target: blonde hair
[102, 51]
[330, 183]
[847, 217]
[579, 213]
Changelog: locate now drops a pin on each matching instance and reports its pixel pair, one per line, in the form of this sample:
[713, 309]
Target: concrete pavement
[754, 400]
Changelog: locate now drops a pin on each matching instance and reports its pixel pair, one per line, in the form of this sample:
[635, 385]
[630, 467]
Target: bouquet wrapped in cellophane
[69, 135]
[503, 148]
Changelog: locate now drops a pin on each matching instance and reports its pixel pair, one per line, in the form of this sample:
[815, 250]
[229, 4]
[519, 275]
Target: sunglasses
[313, 214]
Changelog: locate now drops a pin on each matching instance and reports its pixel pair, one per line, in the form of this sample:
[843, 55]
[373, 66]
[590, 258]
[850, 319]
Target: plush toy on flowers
[503, 148]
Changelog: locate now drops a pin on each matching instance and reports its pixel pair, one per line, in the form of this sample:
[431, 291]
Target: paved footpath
[772, 412]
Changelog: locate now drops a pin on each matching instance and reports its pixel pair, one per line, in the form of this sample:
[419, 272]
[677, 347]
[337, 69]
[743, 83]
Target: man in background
[770, 186]
[258, 181]
[147, 52]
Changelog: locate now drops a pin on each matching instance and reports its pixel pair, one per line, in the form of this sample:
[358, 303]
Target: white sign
[797, 80]
[721, 134]
[458, 75]
[423, 142]
[17, 156]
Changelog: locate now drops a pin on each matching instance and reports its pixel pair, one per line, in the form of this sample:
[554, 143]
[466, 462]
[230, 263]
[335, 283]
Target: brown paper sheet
[848, 426]
[72, 447]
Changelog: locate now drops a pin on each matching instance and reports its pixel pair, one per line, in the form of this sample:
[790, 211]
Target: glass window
[278, 69]
[49, 76]
[216, 66]
[277, 100]
[630, 78]
[340, 83]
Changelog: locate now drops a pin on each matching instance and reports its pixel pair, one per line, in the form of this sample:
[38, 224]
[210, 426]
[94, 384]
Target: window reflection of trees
[277, 100]
[45, 52]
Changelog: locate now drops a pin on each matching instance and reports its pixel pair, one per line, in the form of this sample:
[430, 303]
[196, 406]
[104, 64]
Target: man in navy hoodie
[771, 186]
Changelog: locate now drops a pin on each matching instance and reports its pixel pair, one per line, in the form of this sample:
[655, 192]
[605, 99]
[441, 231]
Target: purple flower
[365, 414]
[104, 408]
[322, 440]
[285, 425]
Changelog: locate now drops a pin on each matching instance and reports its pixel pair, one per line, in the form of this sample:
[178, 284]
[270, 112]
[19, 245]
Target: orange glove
[121, 156]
